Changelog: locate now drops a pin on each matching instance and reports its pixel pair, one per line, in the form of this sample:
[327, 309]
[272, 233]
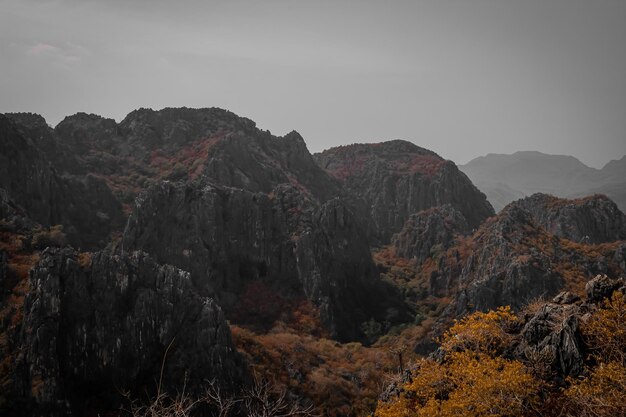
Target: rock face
[94, 328]
[228, 237]
[552, 336]
[594, 219]
[83, 204]
[272, 214]
[396, 179]
[428, 230]
[511, 260]
[187, 144]
[602, 287]
[505, 268]
[64, 174]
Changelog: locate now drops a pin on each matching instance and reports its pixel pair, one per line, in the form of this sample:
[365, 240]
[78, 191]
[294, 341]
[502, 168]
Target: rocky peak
[392, 180]
[593, 219]
[84, 205]
[85, 132]
[429, 230]
[397, 156]
[170, 128]
[96, 327]
[33, 122]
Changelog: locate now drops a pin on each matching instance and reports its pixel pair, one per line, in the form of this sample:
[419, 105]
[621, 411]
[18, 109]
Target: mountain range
[507, 177]
[191, 246]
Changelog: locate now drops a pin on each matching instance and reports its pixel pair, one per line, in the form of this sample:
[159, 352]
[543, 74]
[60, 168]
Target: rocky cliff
[228, 238]
[96, 326]
[276, 212]
[511, 259]
[395, 179]
[514, 261]
[594, 219]
[429, 231]
[185, 144]
[83, 204]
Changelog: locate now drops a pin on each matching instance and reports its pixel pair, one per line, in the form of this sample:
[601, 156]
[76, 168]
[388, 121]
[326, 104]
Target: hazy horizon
[463, 78]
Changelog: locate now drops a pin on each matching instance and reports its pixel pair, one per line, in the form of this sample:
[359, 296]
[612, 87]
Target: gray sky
[463, 78]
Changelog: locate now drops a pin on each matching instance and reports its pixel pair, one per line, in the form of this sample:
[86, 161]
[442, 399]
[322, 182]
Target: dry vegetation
[473, 378]
[20, 259]
[340, 379]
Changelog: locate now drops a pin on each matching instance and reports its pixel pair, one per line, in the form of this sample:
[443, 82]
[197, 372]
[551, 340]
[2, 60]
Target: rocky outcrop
[186, 144]
[429, 230]
[85, 155]
[228, 237]
[511, 260]
[551, 338]
[503, 267]
[84, 205]
[95, 328]
[594, 219]
[602, 287]
[395, 179]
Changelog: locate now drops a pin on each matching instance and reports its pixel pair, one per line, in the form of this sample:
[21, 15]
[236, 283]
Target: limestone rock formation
[84, 205]
[594, 219]
[395, 179]
[427, 231]
[95, 328]
[511, 260]
[228, 237]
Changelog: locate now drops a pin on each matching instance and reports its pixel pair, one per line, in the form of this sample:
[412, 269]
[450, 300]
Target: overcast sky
[463, 78]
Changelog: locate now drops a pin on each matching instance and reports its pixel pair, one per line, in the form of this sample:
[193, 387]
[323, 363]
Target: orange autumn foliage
[471, 380]
[601, 394]
[605, 331]
[466, 384]
[480, 332]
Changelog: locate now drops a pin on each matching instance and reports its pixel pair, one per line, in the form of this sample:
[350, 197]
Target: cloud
[42, 49]
[63, 57]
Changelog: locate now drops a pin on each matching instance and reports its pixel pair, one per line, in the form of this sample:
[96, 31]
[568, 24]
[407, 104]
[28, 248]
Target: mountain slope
[511, 259]
[83, 204]
[230, 238]
[392, 180]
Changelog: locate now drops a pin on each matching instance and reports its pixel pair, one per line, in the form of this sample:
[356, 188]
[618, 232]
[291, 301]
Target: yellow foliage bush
[466, 384]
[605, 331]
[472, 380]
[480, 332]
[601, 394]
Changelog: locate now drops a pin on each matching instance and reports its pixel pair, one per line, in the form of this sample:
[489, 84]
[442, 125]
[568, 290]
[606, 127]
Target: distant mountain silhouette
[505, 178]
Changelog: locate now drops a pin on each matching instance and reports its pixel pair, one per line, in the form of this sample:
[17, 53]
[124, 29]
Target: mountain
[82, 203]
[392, 180]
[505, 178]
[190, 247]
[592, 219]
[521, 254]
